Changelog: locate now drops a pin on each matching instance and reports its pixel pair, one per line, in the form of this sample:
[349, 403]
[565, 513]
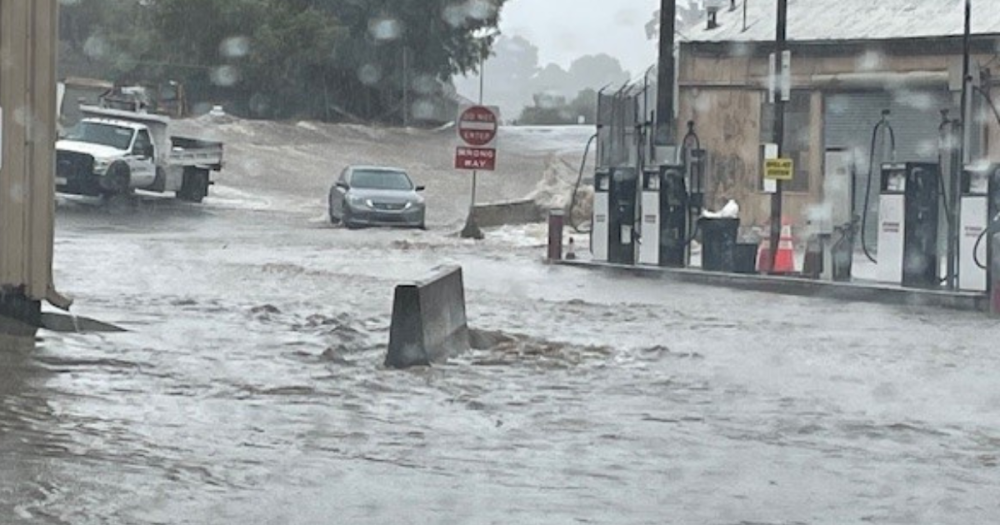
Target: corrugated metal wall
[915, 117]
[28, 30]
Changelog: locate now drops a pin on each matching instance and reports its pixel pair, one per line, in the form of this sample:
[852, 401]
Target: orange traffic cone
[784, 263]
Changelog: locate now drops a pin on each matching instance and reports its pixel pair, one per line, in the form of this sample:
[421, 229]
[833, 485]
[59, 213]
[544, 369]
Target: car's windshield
[381, 180]
[118, 137]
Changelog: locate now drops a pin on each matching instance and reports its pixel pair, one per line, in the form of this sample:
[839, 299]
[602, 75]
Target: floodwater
[249, 389]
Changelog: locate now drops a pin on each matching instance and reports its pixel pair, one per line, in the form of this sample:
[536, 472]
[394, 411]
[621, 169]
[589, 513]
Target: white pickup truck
[112, 153]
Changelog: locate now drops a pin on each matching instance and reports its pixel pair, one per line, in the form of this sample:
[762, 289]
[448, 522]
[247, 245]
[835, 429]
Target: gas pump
[649, 248]
[665, 208]
[623, 193]
[674, 205]
[908, 224]
[600, 236]
[977, 212]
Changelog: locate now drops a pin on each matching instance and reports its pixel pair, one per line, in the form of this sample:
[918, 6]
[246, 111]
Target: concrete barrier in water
[510, 213]
[429, 323]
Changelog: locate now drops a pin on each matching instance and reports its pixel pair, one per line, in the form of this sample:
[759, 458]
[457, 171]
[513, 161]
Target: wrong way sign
[477, 132]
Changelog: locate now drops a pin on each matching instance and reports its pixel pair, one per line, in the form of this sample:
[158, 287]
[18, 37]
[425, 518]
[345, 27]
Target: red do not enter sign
[477, 125]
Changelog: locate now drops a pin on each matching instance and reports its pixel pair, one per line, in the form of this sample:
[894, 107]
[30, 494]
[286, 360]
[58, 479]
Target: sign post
[477, 133]
[779, 120]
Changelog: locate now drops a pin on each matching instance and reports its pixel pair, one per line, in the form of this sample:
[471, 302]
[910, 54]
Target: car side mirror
[421, 188]
[343, 186]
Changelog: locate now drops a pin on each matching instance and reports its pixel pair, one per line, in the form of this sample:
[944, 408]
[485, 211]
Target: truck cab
[109, 142]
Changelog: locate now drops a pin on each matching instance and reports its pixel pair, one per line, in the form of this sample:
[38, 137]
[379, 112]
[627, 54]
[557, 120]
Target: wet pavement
[249, 389]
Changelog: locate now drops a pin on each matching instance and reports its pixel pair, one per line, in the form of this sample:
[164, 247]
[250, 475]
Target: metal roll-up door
[850, 118]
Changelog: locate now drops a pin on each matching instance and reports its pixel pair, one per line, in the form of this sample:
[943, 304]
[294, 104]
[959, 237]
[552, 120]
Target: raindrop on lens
[235, 47]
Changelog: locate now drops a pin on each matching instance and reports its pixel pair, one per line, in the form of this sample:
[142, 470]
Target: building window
[797, 136]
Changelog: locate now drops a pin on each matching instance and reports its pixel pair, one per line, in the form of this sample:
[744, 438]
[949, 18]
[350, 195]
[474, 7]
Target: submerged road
[249, 390]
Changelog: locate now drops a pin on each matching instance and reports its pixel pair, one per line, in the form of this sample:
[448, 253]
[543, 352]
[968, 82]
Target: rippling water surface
[249, 390]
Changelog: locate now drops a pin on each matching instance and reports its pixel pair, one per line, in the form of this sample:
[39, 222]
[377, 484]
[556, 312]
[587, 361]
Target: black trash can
[746, 258]
[718, 244]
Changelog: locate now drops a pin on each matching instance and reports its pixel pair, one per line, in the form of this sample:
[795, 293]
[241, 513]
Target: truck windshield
[117, 137]
[381, 180]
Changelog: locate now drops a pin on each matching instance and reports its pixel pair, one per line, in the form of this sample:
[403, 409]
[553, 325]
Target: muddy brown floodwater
[249, 389]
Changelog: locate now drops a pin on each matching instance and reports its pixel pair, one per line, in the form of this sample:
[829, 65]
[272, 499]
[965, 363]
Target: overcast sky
[566, 29]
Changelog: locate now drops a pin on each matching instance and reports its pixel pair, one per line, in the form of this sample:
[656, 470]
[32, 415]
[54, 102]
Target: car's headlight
[101, 165]
[409, 204]
[355, 200]
[369, 203]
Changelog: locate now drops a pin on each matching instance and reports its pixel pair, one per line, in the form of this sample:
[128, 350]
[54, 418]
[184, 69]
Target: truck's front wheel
[194, 187]
[117, 180]
[116, 186]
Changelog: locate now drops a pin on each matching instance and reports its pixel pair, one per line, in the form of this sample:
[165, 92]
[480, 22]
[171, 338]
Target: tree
[597, 71]
[554, 110]
[509, 72]
[284, 58]
[587, 72]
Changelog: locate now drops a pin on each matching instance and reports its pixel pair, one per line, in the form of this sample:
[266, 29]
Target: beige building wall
[723, 93]
[28, 32]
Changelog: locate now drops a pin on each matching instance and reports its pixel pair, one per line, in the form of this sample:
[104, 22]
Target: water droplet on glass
[369, 74]
[423, 109]
[454, 15]
[480, 9]
[385, 29]
[260, 105]
[870, 61]
[225, 76]
[95, 47]
[235, 47]
[425, 84]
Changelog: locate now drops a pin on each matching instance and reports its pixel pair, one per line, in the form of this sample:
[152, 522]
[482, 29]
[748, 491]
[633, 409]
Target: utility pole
[482, 85]
[471, 229]
[406, 86]
[777, 198]
[954, 232]
[666, 78]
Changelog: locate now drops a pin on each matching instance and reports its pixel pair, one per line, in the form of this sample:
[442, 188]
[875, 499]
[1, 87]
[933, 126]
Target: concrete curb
[854, 292]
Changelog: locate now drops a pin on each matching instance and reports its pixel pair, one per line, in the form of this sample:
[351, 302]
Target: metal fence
[624, 124]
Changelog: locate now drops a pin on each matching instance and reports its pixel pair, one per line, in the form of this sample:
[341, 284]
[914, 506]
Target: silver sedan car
[376, 196]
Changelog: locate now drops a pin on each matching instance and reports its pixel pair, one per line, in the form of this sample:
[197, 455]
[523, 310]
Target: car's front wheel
[333, 217]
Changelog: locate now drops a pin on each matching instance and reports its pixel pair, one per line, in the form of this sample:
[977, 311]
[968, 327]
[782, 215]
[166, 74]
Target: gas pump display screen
[603, 183]
[896, 182]
[979, 182]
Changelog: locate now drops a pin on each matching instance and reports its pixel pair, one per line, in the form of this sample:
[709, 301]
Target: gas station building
[851, 61]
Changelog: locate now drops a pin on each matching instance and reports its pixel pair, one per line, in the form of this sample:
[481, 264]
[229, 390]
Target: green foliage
[330, 59]
[555, 110]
